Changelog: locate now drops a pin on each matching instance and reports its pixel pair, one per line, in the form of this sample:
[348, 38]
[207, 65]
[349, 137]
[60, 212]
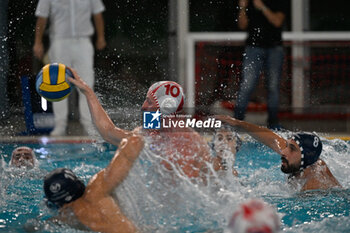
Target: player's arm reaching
[103, 122]
[262, 134]
[122, 162]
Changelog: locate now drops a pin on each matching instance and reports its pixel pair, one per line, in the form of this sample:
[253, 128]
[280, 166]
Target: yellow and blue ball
[51, 82]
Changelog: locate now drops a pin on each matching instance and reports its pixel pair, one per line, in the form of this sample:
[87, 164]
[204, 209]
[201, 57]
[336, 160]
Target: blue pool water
[157, 203]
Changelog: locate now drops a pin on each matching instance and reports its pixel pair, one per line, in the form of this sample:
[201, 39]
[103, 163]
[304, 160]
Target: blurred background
[197, 43]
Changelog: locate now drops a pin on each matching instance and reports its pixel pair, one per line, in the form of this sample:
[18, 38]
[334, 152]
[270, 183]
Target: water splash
[158, 200]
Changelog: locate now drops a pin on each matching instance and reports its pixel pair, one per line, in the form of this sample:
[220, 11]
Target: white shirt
[69, 18]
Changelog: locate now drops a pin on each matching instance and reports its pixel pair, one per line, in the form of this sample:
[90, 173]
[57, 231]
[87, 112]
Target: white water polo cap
[254, 216]
[168, 95]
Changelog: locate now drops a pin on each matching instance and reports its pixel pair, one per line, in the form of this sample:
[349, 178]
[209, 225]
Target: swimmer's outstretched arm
[102, 185]
[103, 122]
[122, 162]
[262, 134]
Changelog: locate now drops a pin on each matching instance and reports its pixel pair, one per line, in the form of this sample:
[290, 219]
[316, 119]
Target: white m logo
[55, 187]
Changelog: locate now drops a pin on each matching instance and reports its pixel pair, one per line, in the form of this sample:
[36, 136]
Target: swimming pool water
[21, 190]
[157, 203]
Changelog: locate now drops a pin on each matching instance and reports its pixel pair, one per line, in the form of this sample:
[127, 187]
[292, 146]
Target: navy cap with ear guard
[62, 186]
[310, 147]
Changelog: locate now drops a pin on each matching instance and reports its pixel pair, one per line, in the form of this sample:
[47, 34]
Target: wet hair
[62, 186]
[310, 146]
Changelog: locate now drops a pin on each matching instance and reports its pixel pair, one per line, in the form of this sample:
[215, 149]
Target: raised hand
[78, 81]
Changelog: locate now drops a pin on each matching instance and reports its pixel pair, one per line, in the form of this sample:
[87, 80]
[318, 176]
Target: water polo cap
[254, 216]
[62, 186]
[23, 149]
[310, 147]
[168, 95]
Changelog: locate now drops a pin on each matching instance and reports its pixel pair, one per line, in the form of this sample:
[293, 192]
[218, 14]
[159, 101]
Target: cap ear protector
[62, 186]
[310, 147]
[167, 105]
[169, 96]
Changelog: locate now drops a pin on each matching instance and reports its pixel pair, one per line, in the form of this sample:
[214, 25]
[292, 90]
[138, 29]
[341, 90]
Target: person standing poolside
[70, 44]
[299, 155]
[93, 206]
[193, 149]
[263, 19]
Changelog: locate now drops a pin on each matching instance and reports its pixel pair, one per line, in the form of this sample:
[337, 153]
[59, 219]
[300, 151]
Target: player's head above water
[23, 157]
[62, 186]
[303, 150]
[166, 96]
[226, 138]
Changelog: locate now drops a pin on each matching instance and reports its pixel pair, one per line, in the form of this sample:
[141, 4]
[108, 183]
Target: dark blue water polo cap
[62, 186]
[310, 147]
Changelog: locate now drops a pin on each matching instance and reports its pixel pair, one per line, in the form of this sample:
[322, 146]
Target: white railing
[298, 52]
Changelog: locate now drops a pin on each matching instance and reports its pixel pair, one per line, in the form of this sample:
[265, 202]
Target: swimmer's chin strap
[310, 147]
